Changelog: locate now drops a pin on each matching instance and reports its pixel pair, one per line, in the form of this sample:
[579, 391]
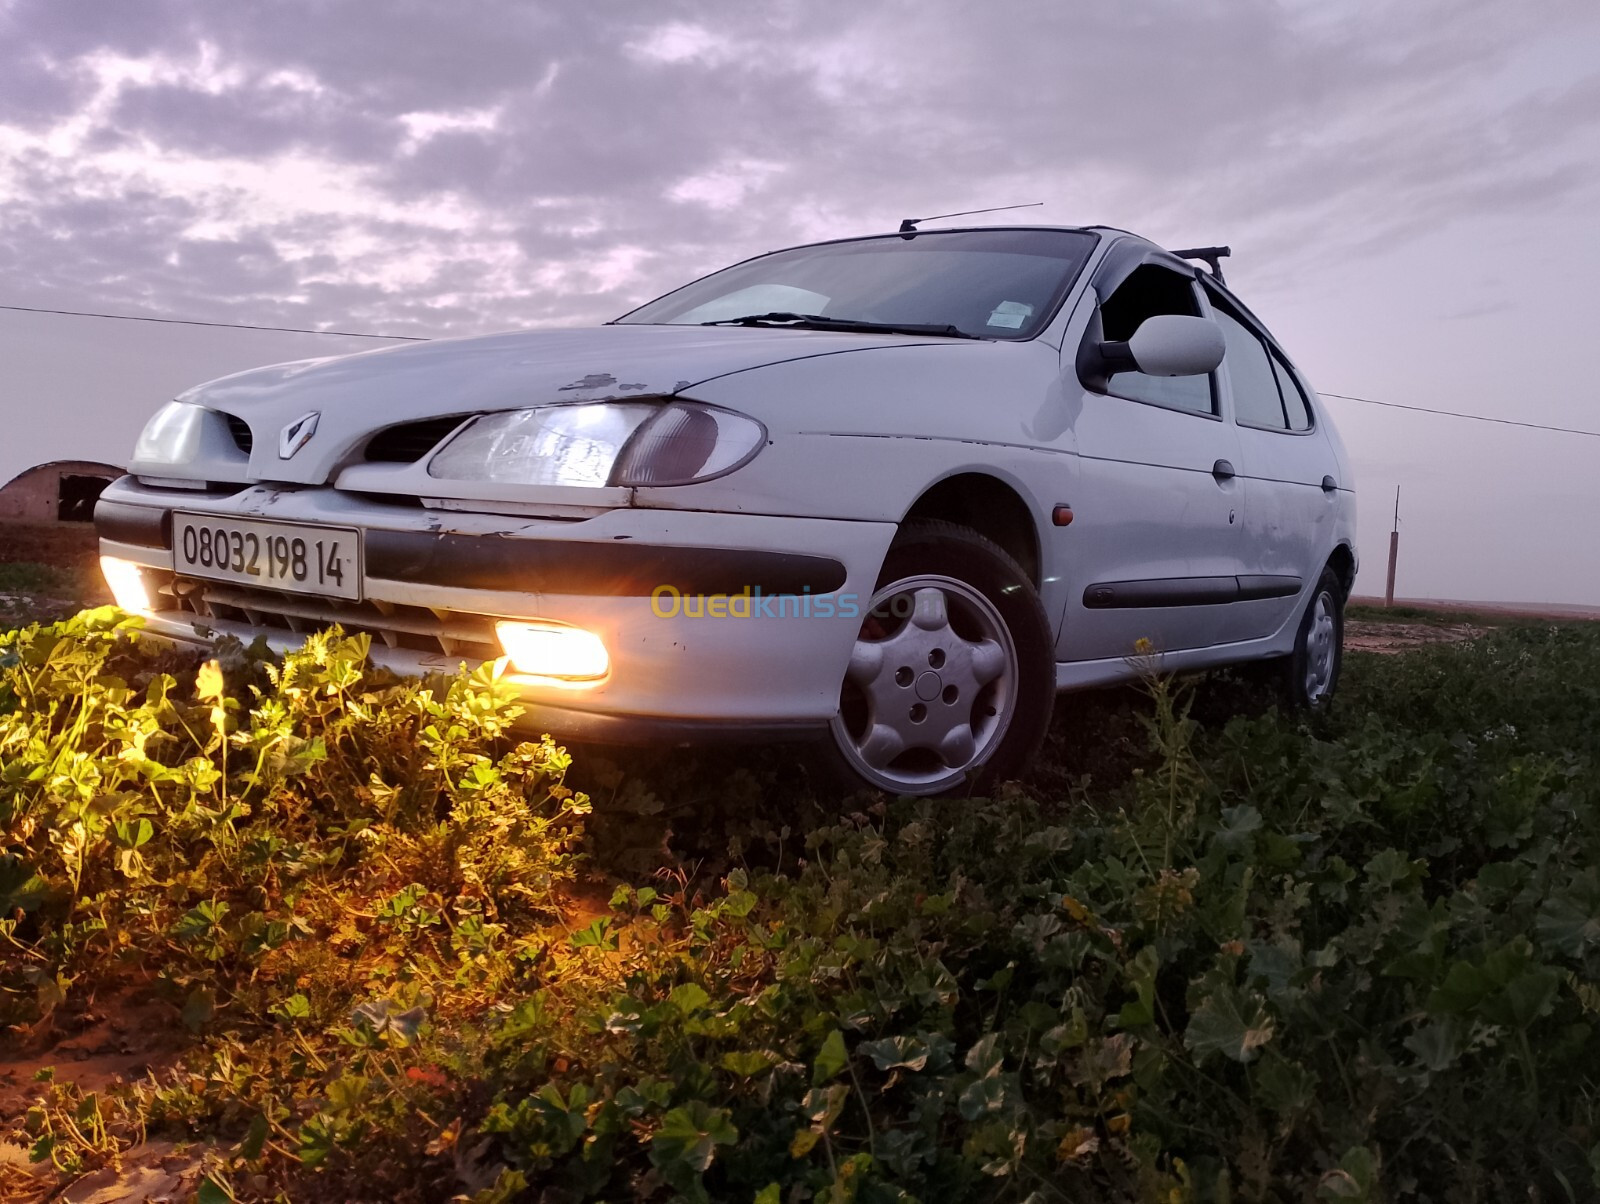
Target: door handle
[1222, 470]
[1329, 485]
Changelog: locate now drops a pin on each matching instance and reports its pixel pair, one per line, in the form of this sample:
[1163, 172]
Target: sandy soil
[156, 1172]
[116, 1039]
[1362, 635]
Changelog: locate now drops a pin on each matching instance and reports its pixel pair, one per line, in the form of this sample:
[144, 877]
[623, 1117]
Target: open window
[1152, 289]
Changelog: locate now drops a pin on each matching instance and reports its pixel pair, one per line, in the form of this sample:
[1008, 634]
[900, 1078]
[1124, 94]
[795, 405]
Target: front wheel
[952, 677]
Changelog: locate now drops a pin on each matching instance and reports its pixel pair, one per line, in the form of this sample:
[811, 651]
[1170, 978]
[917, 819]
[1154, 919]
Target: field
[301, 931]
[47, 571]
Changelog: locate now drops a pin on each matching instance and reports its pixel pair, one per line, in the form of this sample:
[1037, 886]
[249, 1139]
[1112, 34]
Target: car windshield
[996, 284]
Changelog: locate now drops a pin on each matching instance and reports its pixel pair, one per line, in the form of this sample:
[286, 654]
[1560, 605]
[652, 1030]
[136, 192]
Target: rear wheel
[1312, 670]
[951, 680]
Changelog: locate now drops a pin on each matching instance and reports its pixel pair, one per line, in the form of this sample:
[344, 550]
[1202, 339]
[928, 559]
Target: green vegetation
[1430, 616]
[26, 577]
[30, 590]
[1243, 961]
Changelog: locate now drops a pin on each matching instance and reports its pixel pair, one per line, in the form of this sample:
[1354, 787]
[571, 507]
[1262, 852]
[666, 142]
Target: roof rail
[1211, 256]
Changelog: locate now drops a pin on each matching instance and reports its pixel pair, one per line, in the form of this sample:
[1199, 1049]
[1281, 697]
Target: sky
[1410, 191]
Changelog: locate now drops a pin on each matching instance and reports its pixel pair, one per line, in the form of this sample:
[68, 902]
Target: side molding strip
[1187, 591]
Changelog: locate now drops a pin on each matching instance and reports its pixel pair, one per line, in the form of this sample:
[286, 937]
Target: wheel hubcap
[1321, 648]
[930, 687]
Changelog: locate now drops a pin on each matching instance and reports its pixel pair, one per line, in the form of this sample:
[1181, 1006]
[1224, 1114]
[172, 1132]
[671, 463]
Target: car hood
[354, 395]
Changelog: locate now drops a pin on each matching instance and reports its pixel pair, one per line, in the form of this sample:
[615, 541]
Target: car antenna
[908, 226]
[1211, 256]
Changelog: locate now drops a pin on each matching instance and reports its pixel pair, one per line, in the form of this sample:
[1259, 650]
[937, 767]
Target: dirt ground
[1558, 611]
[155, 1172]
[48, 571]
[106, 1042]
[63, 545]
[1364, 635]
[1411, 623]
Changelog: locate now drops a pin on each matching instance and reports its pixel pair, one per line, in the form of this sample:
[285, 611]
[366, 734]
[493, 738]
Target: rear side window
[1256, 400]
[1151, 290]
[1266, 393]
[1295, 405]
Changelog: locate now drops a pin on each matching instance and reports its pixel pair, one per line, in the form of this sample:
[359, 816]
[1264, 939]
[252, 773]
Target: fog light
[126, 583]
[553, 650]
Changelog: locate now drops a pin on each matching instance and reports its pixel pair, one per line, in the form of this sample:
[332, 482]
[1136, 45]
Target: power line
[412, 338]
[346, 334]
[1395, 405]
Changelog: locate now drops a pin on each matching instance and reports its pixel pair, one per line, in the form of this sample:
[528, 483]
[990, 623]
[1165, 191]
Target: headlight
[170, 438]
[601, 443]
[685, 443]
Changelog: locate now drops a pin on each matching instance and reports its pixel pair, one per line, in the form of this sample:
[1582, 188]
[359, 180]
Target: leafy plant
[1356, 961]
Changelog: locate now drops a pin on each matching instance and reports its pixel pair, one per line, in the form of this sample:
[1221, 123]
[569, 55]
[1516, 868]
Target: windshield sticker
[1010, 314]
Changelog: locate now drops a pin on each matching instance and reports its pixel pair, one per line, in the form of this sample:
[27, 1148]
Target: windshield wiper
[821, 322]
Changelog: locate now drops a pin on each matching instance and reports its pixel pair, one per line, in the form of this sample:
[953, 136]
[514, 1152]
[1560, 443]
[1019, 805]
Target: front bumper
[656, 587]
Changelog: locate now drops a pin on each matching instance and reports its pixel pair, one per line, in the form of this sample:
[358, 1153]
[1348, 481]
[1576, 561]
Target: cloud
[450, 169]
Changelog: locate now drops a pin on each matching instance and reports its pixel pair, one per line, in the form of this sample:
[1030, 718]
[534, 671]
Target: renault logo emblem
[297, 434]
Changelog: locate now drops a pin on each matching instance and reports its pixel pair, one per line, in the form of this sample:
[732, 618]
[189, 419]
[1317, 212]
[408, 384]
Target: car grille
[415, 628]
[240, 430]
[409, 442]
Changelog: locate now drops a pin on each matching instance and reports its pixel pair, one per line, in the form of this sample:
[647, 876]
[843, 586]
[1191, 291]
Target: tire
[951, 681]
[1311, 671]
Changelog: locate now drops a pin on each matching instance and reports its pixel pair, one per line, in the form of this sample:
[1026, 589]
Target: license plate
[295, 557]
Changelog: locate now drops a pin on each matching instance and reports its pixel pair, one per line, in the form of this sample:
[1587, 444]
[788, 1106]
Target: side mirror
[1164, 345]
[1174, 345]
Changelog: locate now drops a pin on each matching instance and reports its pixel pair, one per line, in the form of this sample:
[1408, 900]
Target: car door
[1153, 548]
[1285, 467]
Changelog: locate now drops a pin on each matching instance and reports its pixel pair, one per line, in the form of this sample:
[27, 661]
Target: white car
[889, 493]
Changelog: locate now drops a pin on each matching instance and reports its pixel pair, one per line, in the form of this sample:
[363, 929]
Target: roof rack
[1211, 256]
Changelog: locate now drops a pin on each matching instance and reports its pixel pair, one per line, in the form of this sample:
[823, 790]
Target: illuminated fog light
[126, 583]
[552, 650]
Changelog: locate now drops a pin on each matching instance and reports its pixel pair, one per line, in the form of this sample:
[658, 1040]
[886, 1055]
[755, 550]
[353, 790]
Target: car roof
[1107, 233]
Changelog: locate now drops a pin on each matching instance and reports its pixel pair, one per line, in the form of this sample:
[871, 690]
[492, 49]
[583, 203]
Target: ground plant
[407, 957]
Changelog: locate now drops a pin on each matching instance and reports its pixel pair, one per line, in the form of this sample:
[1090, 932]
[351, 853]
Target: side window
[1148, 291]
[1265, 391]
[1256, 401]
[1294, 398]
[1252, 370]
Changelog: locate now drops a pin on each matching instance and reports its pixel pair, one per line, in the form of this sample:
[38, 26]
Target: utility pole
[1394, 550]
